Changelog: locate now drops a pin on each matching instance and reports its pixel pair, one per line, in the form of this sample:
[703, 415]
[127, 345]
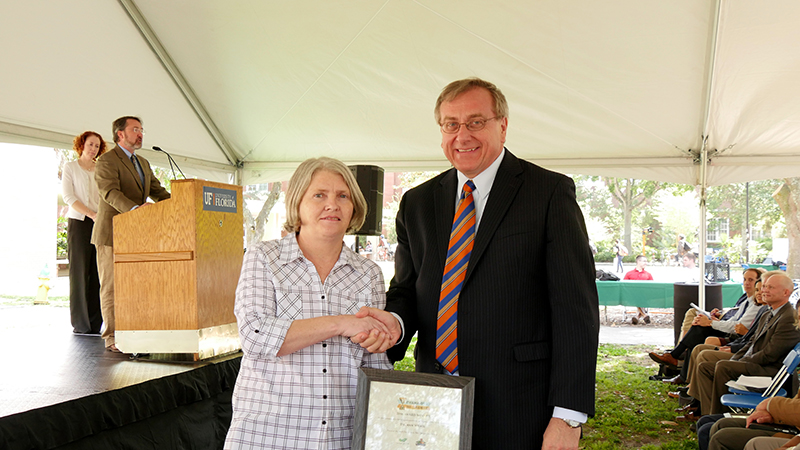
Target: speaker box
[370, 180]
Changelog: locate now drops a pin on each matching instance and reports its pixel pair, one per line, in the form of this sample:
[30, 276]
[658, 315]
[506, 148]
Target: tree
[729, 202]
[628, 194]
[788, 198]
[408, 180]
[254, 227]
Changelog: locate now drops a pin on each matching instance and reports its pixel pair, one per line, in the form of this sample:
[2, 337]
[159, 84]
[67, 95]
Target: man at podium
[124, 181]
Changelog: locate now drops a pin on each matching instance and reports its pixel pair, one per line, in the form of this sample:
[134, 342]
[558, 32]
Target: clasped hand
[379, 338]
[702, 320]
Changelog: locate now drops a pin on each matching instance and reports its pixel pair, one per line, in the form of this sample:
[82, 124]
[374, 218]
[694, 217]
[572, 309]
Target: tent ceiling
[625, 88]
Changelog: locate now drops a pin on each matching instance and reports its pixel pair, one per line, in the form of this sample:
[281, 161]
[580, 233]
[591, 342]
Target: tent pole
[701, 295]
[712, 59]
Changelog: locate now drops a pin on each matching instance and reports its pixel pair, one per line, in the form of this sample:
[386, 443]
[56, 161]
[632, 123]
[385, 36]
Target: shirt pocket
[348, 302]
[289, 305]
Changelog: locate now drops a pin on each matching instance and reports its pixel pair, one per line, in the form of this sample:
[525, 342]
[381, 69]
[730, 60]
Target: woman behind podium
[295, 306]
[80, 193]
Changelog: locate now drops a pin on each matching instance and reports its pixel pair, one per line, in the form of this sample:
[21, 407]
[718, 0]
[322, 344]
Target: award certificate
[405, 410]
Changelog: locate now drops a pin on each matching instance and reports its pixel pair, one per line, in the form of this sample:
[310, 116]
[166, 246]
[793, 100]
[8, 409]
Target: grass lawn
[631, 410]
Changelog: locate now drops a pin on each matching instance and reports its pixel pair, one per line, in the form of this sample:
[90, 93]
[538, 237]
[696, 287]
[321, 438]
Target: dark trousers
[704, 429]
[695, 336]
[84, 284]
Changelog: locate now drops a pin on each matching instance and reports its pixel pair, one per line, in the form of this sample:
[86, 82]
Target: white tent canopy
[624, 88]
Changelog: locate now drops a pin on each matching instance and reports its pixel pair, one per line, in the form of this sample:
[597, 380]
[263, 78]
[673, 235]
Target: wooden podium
[176, 266]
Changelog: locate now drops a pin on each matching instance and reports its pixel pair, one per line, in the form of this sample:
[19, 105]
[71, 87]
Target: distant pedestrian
[619, 251]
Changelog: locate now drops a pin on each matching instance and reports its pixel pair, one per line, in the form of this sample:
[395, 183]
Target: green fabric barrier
[651, 294]
[767, 267]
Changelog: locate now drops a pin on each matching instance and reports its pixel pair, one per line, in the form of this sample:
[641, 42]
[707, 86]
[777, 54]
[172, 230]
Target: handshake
[374, 329]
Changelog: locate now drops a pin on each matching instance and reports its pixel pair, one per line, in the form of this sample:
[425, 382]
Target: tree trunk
[627, 210]
[788, 198]
[254, 227]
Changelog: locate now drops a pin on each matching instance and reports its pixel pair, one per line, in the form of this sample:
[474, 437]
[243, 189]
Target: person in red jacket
[640, 274]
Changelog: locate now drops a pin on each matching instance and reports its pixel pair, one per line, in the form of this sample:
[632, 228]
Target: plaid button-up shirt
[304, 400]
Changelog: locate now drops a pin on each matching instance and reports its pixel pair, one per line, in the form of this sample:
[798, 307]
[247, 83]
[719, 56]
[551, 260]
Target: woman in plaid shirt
[295, 306]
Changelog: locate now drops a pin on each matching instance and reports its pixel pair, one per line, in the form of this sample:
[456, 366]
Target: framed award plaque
[399, 410]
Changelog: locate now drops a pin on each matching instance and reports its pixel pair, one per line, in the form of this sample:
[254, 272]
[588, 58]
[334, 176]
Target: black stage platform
[59, 390]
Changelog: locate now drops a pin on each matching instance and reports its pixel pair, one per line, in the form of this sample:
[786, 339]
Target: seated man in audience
[775, 335]
[638, 273]
[734, 433]
[749, 276]
[712, 352]
[704, 326]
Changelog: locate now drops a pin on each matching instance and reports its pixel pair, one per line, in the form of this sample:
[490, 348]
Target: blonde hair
[301, 179]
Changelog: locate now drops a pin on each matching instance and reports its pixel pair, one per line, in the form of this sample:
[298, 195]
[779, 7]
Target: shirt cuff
[402, 327]
[568, 414]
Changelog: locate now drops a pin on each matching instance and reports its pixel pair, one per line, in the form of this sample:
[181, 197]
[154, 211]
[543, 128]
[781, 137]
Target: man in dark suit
[775, 335]
[124, 181]
[526, 324]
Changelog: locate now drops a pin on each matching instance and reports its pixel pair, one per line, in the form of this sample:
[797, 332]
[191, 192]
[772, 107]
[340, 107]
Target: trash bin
[686, 293]
[716, 271]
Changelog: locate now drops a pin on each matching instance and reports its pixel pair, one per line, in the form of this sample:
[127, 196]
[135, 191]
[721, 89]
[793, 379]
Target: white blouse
[78, 184]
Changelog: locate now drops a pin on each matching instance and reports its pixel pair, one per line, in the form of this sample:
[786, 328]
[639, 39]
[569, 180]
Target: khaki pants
[708, 381]
[105, 269]
[704, 353]
[765, 443]
[688, 318]
[730, 434]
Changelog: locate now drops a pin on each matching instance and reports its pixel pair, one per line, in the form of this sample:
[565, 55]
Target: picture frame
[396, 409]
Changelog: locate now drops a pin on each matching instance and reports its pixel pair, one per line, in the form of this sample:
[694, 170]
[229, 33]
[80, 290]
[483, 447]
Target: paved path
[637, 335]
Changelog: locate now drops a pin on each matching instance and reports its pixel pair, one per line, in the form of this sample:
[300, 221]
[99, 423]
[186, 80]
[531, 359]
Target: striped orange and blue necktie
[462, 238]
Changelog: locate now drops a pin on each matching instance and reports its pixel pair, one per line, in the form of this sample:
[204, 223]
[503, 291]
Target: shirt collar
[125, 150]
[290, 251]
[484, 180]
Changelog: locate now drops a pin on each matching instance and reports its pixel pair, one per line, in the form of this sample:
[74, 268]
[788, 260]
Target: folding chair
[742, 401]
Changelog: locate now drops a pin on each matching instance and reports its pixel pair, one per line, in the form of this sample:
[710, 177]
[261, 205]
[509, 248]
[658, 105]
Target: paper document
[700, 311]
[750, 383]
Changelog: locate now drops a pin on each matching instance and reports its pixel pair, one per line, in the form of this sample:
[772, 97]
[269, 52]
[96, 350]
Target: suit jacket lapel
[129, 165]
[504, 190]
[764, 331]
[445, 211]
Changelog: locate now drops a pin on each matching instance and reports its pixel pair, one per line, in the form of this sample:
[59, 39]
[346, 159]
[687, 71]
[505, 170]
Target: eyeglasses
[138, 130]
[472, 125]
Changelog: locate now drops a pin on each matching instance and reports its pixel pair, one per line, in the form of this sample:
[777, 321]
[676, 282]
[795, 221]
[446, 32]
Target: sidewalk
[637, 335]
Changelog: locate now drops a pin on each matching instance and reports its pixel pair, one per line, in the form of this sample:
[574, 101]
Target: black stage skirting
[67, 392]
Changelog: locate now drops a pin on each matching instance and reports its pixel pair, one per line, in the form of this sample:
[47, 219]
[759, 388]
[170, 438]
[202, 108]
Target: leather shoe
[689, 417]
[686, 409]
[666, 359]
[677, 379]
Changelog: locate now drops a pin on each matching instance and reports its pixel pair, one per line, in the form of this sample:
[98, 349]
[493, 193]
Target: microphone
[171, 162]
